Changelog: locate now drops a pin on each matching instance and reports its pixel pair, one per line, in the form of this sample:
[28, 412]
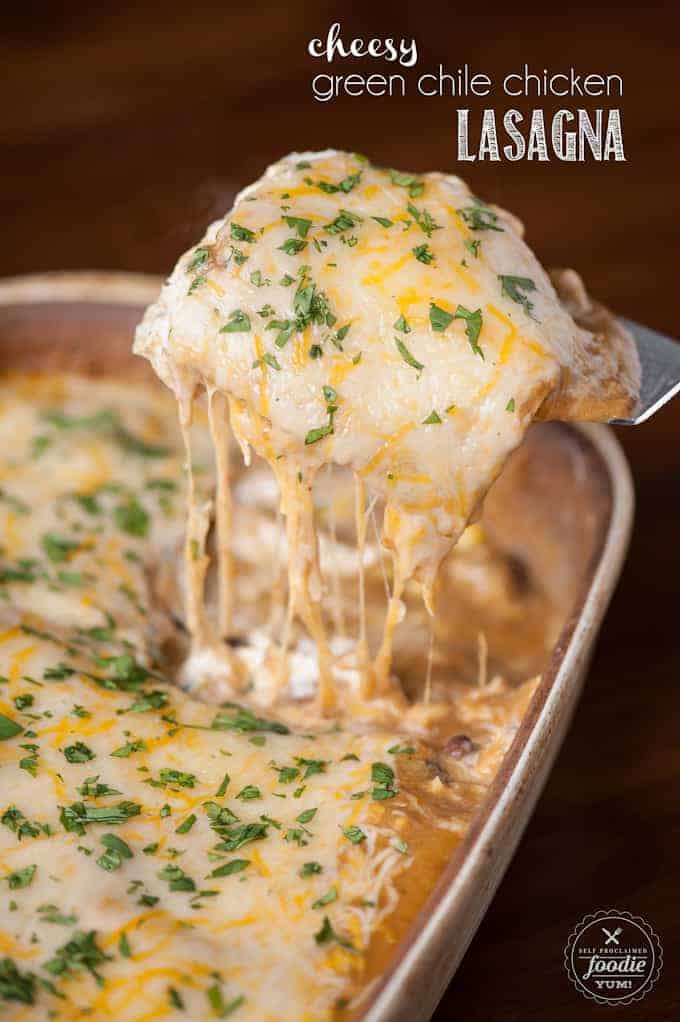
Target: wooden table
[127, 126]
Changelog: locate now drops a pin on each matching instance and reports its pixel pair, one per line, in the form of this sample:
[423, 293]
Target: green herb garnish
[432, 419]
[440, 319]
[8, 728]
[237, 323]
[299, 224]
[479, 217]
[473, 326]
[410, 181]
[513, 288]
[407, 356]
[423, 254]
[239, 233]
[424, 220]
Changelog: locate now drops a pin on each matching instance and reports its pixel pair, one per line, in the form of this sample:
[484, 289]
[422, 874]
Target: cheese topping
[386, 322]
[161, 858]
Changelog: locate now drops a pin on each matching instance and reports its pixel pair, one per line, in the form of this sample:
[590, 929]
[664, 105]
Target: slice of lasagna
[386, 322]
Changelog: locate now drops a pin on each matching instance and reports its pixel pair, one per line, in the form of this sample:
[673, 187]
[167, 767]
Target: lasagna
[165, 857]
[390, 324]
[238, 743]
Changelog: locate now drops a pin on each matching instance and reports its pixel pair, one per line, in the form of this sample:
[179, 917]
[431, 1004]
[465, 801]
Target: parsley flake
[407, 356]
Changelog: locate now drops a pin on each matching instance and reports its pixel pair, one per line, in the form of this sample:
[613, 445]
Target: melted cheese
[389, 323]
[90, 637]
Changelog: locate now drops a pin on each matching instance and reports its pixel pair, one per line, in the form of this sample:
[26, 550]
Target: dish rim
[475, 870]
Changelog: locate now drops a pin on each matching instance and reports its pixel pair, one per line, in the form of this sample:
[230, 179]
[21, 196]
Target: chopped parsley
[299, 224]
[346, 185]
[326, 899]
[234, 866]
[354, 834]
[237, 323]
[239, 233]
[16, 985]
[22, 878]
[8, 728]
[78, 816]
[292, 246]
[440, 319]
[473, 326]
[237, 835]
[92, 787]
[222, 790]
[57, 548]
[80, 953]
[312, 766]
[51, 914]
[244, 720]
[287, 774]
[132, 518]
[383, 780]
[314, 435]
[344, 221]
[326, 934]
[249, 793]
[341, 334]
[115, 851]
[30, 763]
[175, 778]
[176, 878]
[187, 824]
[432, 419]
[401, 750]
[138, 745]
[479, 217]
[200, 258]
[15, 821]
[196, 283]
[78, 753]
[423, 254]
[513, 287]
[175, 999]
[220, 1007]
[424, 220]
[407, 356]
[415, 186]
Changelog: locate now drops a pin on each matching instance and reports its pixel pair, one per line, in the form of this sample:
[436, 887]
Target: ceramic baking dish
[571, 526]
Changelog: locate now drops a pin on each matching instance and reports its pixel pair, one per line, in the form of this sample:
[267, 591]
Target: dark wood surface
[127, 126]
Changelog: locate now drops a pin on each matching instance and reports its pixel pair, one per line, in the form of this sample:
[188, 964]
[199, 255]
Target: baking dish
[571, 527]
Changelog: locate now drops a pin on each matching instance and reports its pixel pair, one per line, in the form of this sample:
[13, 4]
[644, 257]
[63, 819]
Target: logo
[613, 957]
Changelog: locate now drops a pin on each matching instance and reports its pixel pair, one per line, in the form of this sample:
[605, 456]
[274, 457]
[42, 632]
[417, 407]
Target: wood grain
[128, 126]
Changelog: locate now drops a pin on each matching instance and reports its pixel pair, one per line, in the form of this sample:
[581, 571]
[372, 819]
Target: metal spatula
[660, 363]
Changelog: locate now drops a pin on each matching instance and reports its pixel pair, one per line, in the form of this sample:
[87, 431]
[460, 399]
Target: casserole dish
[570, 527]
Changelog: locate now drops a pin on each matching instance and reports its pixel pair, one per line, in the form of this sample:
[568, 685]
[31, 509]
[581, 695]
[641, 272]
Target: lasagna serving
[250, 689]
